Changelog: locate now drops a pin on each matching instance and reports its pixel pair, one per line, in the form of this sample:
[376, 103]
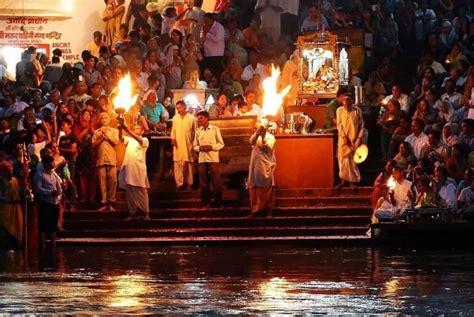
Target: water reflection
[236, 280]
[128, 290]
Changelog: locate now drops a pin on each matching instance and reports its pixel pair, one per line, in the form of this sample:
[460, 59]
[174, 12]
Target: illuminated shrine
[323, 64]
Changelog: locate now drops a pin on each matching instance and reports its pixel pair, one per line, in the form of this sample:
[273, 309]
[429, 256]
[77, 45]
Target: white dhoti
[348, 170]
[183, 173]
[261, 179]
[133, 175]
[262, 199]
[350, 128]
[137, 198]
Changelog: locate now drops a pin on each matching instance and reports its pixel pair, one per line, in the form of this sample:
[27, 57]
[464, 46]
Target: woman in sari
[85, 167]
[11, 214]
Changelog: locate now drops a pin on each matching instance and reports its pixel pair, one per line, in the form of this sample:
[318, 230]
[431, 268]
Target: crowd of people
[59, 130]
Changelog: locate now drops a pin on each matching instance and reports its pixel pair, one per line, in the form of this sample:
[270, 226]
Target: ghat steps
[309, 215]
[313, 215]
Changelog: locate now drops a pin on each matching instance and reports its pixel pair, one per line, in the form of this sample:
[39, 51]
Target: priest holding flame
[133, 173]
[261, 179]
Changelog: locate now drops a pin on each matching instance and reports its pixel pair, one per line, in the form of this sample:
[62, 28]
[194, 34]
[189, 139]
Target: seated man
[434, 150]
[153, 111]
[466, 199]
[426, 197]
[251, 101]
[400, 97]
[193, 81]
[446, 189]
[398, 198]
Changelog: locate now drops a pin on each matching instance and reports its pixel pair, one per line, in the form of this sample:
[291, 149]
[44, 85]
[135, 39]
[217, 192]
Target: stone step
[165, 190]
[217, 232]
[223, 222]
[231, 212]
[359, 240]
[332, 202]
[237, 199]
[323, 192]
[280, 202]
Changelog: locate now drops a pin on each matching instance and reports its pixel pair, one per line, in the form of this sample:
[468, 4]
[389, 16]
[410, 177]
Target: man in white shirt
[251, 101]
[401, 98]
[428, 61]
[254, 67]
[453, 96]
[213, 42]
[182, 134]
[466, 198]
[208, 142]
[398, 197]
[418, 139]
[446, 189]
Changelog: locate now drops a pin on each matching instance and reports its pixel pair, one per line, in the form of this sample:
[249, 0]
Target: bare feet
[340, 185]
[147, 217]
[112, 208]
[103, 208]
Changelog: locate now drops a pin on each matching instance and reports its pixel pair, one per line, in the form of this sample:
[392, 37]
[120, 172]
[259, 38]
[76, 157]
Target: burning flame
[391, 183]
[272, 99]
[124, 99]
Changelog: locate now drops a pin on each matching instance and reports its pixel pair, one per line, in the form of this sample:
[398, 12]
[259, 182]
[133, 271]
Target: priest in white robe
[261, 179]
[133, 173]
[350, 128]
[182, 136]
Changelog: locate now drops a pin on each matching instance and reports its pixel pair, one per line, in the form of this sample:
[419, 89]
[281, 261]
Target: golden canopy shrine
[323, 65]
[306, 159]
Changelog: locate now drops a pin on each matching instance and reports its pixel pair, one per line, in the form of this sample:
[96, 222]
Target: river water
[230, 279]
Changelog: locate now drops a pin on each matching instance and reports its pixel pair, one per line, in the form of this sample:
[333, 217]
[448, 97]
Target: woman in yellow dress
[112, 16]
[11, 214]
